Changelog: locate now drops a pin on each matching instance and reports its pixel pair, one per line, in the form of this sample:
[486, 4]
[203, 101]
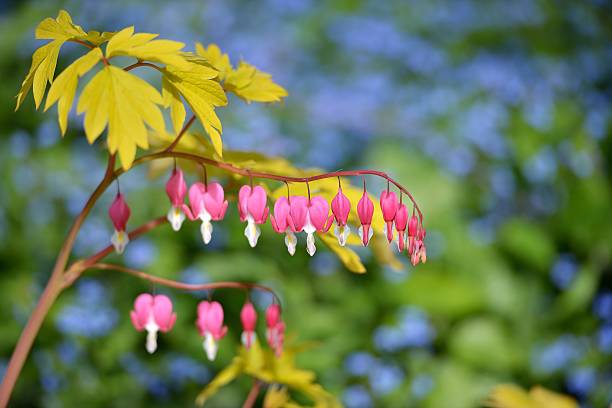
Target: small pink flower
[310, 216]
[248, 316]
[401, 221]
[252, 206]
[282, 223]
[388, 205]
[208, 204]
[275, 332]
[176, 190]
[341, 207]
[153, 314]
[417, 248]
[413, 225]
[210, 325]
[365, 211]
[119, 213]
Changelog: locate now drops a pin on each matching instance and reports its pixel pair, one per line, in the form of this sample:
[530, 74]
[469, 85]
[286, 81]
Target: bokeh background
[495, 114]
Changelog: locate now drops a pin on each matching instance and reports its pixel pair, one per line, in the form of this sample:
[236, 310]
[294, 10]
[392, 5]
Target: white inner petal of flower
[290, 241]
[248, 338]
[210, 346]
[152, 328]
[175, 218]
[252, 231]
[119, 240]
[370, 233]
[342, 233]
[310, 244]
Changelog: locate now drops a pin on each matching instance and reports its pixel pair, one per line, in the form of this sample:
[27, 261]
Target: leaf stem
[252, 396]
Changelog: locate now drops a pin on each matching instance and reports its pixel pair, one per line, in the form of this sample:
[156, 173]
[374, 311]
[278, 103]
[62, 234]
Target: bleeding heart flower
[210, 325]
[208, 204]
[401, 221]
[365, 211]
[275, 332]
[176, 190]
[252, 206]
[310, 216]
[282, 223]
[119, 213]
[341, 207]
[248, 316]
[153, 314]
[388, 205]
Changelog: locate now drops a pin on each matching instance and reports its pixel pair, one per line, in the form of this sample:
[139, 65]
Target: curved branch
[142, 64]
[180, 134]
[181, 285]
[249, 173]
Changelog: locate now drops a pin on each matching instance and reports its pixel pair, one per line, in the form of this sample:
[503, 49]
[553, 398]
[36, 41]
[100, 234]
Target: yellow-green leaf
[64, 87]
[172, 100]
[126, 103]
[60, 28]
[41, 71]
[216, 58]
[251, 84]
[144, 47]
[97, 38]
[511, 396]
[203, 94]
[227, 375]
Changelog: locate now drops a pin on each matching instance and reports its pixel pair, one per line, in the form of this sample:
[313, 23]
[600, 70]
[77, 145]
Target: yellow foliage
[512, 396]
[64, 87]
[144, 47]
[197, 85]
[44, 59]
[265, 366]
[126, 103]
[246, 81]
[250, 84]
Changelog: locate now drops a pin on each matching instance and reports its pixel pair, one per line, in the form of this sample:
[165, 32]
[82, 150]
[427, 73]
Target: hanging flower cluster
[154, 314]
[291, 215]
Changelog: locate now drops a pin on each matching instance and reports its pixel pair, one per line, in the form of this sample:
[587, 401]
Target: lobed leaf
[64, 87]
[126, 103]
[60, 28]
[217, 59]
[197, 85]
[144, 47]
[250, 84]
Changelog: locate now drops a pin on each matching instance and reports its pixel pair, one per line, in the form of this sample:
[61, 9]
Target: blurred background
[495, 114]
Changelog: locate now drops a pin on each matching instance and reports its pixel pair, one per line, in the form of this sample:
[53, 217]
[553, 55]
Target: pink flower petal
[143, 307]
[341, 207]
[119, 212]
[248, 316]
[162, 312]
[257, 205]
[176, 188]
[319, 212]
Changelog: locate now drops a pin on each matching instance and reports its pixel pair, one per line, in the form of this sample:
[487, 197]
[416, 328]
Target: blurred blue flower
[581, 381]
[47, 134]
[604, 338]
[68, 351]
[602, 306]
[90, 315]
[414, 330]
[324, 263]
[19, 144]
[140, 253]
[564, 270]
[558, 355]
[182, 369]
[384, 378]
[422, 385]
[357, 396]
[359, 363]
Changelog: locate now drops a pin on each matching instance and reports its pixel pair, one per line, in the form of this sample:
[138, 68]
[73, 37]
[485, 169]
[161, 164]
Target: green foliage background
[491, 305]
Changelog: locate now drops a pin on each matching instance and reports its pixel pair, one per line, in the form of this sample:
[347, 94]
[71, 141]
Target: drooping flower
[310, 215]
[208, 204]
[282, 223]
[248, 316]
[252, 206]
[365, 211]
[210, 326]
[413, 225]
[341, 207]
[176, 188]
[275, 332]
[153, 314]
[416, 246]
[401, 221]
[388, 205]
[119, 213]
